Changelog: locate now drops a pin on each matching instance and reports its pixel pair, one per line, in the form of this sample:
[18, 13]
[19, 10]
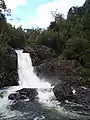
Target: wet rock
[23, 97]
[14, 96]
[25, 93]
[11, 97]
[63, 91]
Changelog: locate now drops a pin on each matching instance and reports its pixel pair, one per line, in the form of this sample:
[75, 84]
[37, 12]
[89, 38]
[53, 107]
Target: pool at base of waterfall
[45, 108]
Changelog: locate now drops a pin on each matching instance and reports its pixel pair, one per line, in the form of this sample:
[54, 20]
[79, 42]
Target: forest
[69, 37]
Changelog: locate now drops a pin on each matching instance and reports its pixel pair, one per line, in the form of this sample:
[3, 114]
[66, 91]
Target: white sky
[43, 11]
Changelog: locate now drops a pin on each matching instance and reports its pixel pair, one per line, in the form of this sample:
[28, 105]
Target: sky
[37, 13]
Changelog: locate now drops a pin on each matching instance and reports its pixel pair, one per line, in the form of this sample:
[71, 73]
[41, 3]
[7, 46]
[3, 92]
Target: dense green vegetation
[69, 37]
[8, 67]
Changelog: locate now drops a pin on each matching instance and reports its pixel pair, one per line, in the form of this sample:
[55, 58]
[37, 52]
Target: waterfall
[47, 106]
[27, 77]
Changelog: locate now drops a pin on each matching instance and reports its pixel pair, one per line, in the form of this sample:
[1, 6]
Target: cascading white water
[27, 77]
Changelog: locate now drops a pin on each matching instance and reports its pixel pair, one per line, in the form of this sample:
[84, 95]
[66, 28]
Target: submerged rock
[25, 93]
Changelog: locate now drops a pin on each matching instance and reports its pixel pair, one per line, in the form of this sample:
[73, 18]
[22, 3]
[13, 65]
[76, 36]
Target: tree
[2, 16]
[17, 36]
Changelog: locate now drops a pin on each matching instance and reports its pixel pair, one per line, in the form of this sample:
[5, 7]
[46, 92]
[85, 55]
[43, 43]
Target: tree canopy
[70, 36]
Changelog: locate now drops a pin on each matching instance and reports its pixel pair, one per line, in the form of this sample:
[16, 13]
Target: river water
[45, 108]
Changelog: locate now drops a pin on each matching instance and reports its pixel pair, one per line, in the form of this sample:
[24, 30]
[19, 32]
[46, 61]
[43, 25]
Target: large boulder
[39, 53]
[63, 91]
[8, 68]
[25, 93]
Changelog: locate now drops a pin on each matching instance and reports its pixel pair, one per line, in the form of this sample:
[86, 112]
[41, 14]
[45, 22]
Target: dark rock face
[63, 91]
[54, 67]
[39, 53]
[12, 78]
[8, 79]
[25, 93]
[8, 68]
[63, 70]
[15, 96]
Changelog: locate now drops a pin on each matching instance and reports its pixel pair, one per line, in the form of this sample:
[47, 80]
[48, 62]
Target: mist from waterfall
[27, 77]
